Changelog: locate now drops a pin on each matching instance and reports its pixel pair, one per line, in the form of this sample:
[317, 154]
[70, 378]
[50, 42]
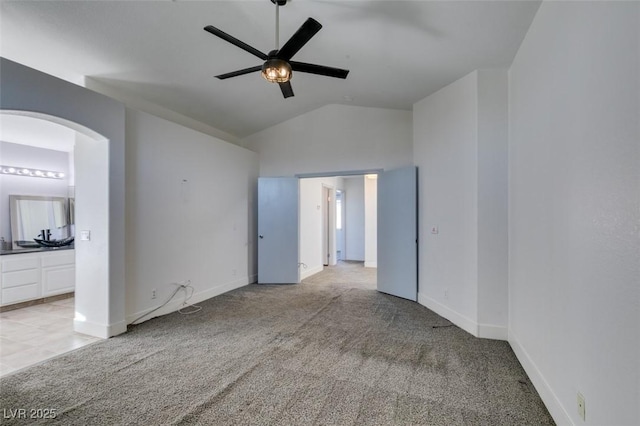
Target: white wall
[311, 224]
[460, 147]
[190, 213]
[12, 154]
[92, 214]
[335, 138]
[354, 218]
[493, 241]
[445, 151]
[370, 222]
[574, 209]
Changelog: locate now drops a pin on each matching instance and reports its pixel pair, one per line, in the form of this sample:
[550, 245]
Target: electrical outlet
[581, 408]
[446, 293]
[153, 293]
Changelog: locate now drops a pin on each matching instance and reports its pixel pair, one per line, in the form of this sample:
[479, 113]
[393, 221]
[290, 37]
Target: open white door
[398, 233]
[278, 231]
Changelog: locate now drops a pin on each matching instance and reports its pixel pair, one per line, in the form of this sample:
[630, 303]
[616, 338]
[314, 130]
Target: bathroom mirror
[30, 215]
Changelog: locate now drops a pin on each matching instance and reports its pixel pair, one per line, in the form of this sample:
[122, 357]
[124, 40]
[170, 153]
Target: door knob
[261, 236]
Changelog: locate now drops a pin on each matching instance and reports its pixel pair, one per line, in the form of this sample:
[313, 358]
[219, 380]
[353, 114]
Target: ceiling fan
[278, 66]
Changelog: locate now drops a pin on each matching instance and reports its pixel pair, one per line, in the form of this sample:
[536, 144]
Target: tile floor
[31, 335]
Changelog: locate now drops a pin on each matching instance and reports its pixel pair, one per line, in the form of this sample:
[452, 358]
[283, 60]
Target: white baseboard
[91, 329]
[484, 331]
[117, 328]
[176, 302]
[490, 331]
[548, 396]
[306, 273]
[467, 324]
[103, 331]
[370, 264]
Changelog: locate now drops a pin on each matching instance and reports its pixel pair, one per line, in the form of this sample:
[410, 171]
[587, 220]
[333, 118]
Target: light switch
[85, 235]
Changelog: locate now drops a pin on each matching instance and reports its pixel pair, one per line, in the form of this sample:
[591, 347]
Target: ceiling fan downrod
[278, 3]
[277, 26]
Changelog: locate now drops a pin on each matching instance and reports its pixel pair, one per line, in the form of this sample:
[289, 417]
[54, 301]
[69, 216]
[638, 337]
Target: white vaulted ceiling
[398, 52]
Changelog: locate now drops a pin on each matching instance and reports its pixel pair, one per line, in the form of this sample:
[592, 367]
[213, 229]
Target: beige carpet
[329, 351]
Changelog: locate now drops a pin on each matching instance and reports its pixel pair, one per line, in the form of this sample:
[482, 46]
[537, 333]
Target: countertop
[35, 250]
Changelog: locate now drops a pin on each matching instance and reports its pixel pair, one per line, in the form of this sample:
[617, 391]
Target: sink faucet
[45, 234]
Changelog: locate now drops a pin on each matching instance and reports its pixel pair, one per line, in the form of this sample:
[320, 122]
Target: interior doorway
[51, 308]
[89, 153]
[396, 225]
[337, 223]
[100, 310]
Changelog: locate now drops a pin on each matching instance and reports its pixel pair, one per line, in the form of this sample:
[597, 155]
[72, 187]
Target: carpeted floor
[329, 351]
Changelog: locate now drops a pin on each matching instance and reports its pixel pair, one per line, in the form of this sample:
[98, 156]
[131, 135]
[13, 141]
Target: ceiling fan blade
[299, 39]
[239, 72]
[319, 69]
[287, 91]
[242, 45]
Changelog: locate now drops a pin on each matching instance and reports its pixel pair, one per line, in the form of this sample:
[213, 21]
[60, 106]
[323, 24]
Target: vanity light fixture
[23, 171]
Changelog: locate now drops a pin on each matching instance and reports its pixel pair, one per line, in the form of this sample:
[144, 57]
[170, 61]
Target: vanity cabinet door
[58, 280]
[58, 273]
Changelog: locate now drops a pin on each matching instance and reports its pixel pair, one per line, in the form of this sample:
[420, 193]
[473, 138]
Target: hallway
[345, 273]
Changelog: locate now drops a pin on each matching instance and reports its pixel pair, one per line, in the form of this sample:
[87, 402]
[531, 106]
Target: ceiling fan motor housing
[276, 70]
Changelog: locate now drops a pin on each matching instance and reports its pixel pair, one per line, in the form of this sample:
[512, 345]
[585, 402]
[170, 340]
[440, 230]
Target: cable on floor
[187, 297]
[194, 308]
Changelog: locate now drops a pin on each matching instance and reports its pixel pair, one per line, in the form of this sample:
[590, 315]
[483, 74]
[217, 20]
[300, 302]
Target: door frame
[339, 173]
[340, 240]
[329, 226]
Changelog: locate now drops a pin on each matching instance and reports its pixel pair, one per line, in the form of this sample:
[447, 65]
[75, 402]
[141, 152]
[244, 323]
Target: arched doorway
[91, 193]
[31, 92]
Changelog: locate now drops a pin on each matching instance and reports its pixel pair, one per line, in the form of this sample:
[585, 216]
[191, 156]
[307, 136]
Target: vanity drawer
[20, 263]
[67, 257]
[20, 278]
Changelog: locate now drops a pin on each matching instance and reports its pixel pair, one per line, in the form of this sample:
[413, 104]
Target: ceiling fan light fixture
[276, 71]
